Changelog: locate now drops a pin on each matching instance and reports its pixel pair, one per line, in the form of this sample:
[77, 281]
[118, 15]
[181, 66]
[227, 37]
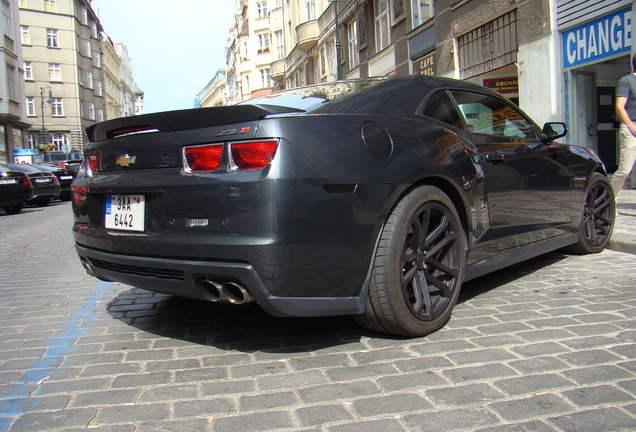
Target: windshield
[312, 97]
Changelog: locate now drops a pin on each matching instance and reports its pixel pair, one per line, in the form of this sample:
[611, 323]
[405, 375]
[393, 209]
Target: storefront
[596, 48]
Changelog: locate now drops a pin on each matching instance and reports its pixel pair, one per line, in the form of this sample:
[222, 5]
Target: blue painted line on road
[18, 401]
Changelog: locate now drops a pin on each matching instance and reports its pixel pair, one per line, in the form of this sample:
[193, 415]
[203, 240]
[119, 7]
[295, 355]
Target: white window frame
[100, 115]
[310, 10]
[352, 44]
[7, 26]
[52, 38]
[12, 89]
[59, 140]
[28, 71]
[266, 77]
[88, 50]
[25, 35]
[422, 11]
[382, 24]
[33, 140]
[91, 110]
[50, 5]
[84, 15]
[55, 72]
[261, 9]
[263, 42]
[280, 44]
[99, 91]
[89, 80]
[30, 106]
[94, 30]
[57, 107]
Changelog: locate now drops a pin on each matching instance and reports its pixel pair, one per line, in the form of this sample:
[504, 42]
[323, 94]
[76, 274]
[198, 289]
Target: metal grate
[489, 46]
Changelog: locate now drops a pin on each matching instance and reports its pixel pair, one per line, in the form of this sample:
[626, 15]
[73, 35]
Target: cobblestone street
[547, 345]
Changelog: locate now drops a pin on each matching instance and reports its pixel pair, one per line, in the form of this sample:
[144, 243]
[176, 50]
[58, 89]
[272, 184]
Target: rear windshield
[313, 97]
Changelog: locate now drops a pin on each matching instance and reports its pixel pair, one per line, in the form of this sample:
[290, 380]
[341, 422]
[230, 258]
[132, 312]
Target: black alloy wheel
[597, 221]
[418, 266]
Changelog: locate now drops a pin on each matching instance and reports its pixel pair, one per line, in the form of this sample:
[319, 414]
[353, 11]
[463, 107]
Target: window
[28, 71]
[51, 38]
[266, 78]
[440, 107]
[330, 53]
[7, 27]
[89, 80]
[98, 60]
[30, 106]
[12, 89]
[310, 10]
[98, 88]
[59, 140]
[87, 49]
[323, 64]
[382, 25]
[84, 16]
[280, 44]
[261, 8]
[488, 115]
[94, 30]
[352, 44]
[91, 111]
[57, 108]
[55, 72]
[33, 141]
[422, 11]
[244, 50]
[263, 42]
[100, 115]
[26, 37]
[24, 4]
[50, 5]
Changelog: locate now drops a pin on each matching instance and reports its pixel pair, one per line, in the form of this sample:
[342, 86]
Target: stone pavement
[546, 345]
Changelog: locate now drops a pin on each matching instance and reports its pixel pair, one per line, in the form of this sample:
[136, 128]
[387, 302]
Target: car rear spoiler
[181, 120]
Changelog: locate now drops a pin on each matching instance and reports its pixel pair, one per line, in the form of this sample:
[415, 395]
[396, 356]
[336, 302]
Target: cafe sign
[425, 65]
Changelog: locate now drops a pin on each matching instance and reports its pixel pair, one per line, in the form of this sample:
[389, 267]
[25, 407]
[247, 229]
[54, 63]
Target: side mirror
[553, 130]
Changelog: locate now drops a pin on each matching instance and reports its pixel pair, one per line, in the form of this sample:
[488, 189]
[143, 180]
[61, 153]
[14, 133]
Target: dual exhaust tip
[231, 292]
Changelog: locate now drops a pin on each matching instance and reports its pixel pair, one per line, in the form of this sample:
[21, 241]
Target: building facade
[213, 94]
[559, 60]
[63, 72]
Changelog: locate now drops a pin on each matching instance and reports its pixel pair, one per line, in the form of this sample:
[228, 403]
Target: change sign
[594, 40]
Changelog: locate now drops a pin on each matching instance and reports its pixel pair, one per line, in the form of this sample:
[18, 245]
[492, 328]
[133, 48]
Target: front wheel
[418, 267]
[598, 217]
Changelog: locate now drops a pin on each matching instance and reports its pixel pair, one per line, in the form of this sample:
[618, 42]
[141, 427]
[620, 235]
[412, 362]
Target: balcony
[278, 70]
[307, 35]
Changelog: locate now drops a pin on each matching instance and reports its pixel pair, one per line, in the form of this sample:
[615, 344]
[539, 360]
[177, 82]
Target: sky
[176, 47]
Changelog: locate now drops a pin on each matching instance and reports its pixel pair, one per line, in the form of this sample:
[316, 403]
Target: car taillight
[253, 155]
[93, 162]
[79, 194]
[204, 158]
[26, 181]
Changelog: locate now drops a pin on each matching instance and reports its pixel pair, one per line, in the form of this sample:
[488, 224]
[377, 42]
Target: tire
[597, 219]
[418, 267]
[13, 209]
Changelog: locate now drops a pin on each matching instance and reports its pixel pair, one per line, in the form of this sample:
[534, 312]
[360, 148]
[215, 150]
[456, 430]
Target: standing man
[626, 110]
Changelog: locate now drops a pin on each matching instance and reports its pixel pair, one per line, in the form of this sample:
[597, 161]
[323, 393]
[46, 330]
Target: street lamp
[338, 66]
[42, 90]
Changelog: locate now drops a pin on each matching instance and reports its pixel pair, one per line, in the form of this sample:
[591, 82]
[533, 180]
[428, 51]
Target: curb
[623, 242]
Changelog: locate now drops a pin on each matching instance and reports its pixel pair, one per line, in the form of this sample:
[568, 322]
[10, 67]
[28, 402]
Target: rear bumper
[181, 278]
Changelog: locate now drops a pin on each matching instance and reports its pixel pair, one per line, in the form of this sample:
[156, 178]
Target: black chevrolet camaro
[375, 198]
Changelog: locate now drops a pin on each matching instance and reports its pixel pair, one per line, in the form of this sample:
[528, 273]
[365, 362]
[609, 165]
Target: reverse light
[253, 154]
[203, 158]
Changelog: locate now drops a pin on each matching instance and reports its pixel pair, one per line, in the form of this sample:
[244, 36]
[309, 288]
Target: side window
[485, 114]
[440, 107]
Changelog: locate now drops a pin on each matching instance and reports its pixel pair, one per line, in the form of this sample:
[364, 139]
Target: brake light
[204, 158]
[26, 181]
[93, 162]
[253, 155]
[79, 194]
[63, 165]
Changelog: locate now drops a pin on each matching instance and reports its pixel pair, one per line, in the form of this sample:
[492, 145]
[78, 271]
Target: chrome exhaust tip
[235, 293]
[211, 290]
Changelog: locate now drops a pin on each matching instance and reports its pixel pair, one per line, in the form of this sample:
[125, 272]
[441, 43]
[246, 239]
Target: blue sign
[595, 40]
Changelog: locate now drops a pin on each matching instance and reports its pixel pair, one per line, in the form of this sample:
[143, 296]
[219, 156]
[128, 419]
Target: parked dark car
[64, 176]
[15, 190]
[374, 197]
[68, 164]
[46, 187]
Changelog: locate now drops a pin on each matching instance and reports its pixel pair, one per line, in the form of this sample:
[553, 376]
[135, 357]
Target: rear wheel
[418, 267]
[597, 220]
[13, 209]
[42, 202]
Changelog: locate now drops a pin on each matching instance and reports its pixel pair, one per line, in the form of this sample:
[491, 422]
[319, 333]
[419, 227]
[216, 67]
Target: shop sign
[594, 40]
[503, 85]
[425, 65]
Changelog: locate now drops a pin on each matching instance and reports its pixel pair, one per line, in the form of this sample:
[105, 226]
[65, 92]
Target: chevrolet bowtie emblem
[126, 160]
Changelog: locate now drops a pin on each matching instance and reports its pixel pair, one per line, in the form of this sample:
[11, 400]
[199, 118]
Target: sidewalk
[624, 236]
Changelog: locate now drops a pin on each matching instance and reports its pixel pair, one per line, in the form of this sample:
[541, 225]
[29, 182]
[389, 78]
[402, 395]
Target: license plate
[125, 212]
[45, 180]
[66, 177]
[8, 181]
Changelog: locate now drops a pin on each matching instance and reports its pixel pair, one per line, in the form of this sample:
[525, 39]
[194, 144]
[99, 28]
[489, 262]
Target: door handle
[494, 157]
[590, 130]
